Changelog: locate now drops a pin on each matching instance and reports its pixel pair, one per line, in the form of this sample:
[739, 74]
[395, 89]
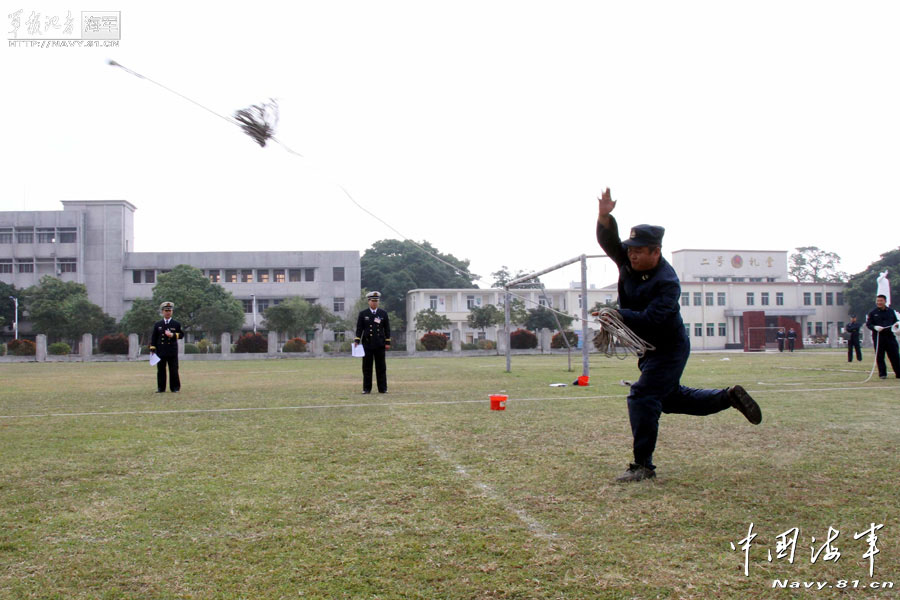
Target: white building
[724, 293]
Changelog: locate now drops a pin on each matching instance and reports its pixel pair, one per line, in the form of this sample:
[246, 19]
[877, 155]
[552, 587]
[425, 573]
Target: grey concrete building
[92, 242]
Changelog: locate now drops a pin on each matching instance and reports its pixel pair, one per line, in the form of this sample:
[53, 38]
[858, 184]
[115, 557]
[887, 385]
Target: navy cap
[645, 235]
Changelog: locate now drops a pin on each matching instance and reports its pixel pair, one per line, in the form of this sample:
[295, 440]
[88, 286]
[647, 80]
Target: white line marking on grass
[534, 526]
[181, 411]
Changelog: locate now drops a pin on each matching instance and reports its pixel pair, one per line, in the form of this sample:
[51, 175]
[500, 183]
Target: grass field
[277, 479]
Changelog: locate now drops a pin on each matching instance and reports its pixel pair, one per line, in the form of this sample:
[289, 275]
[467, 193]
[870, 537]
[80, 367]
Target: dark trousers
[174, 381]
[790, 344]
[850, 346]
[658, 391]
[887, 344]
[376, 356]
[781, 345]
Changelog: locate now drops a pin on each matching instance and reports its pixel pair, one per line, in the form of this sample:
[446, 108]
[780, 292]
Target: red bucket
[583, 380]
[498, 401]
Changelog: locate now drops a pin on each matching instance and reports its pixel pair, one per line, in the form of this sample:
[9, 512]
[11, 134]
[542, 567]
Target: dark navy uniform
[779, 337]
[853, 341]
[649, 303]
[373, 331]
[791, 338]
[166, 348]
[884, 340]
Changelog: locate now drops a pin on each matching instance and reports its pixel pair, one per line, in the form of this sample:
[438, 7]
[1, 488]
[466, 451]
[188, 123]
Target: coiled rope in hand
[615, 338]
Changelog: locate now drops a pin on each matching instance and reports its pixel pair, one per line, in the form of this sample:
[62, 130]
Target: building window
[248, 306]
[149, 276]
[839, 297]
[685, 298]
[25, 267]
[809, 328]
[698, 299]
[687, 328]
[698, 329]
[231, 276]
[337, 273]
[470, 302]
[779, 298]
[25, 236]
[840, 327]
[6, 235]
[750, 299]
[278, 275]
[135, 276]
[818, 298]
[246, 275]
[432, 302]
[722, 331]
[829, 299]
[67, 265]
[46, 235]
[720, 279]
[67, 235]
[770, 279]
[737, 279]
[295, 275]
[720, 298]
[338, 306]
[5, 265]
[262, 275]
[703, 278]
[756, 279]
[807, 299]
[542, 301]
[818, 327]
[262, 305]
[309, 274]
[710, 330]
[215, 275]
[764, 298]
[709, 298]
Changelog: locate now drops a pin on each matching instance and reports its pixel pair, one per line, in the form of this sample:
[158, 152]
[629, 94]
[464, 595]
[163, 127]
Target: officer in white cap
[164, 343]
[373, 331]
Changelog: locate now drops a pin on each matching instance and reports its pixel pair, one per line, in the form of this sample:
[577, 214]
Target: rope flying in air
[615, 338]
[269, 136]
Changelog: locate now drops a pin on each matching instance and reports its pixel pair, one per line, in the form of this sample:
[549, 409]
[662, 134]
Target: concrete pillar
[272, 339]
[318, 348]
[502, 338]
[226, 344]
[134, 349]
[544, 338]
[833, 336]
[181, 347]
[87, 345]
[40, 353]
[411, 341]
[456, 340]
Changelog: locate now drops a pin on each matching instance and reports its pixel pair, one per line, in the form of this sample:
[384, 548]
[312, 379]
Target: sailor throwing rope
[649, 306]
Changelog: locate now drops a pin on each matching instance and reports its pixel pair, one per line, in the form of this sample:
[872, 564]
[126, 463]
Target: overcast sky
[486, 128]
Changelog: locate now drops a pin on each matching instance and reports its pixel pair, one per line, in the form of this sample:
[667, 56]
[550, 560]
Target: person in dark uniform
[791, 337]
[853, 340]
[164, 343]
[779, 337]
[880, 321]
[373, 331]
[649, 305]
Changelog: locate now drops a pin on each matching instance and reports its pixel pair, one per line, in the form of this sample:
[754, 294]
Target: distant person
[880, 320]
[164, 343]
[373, 331]
[853, 340]
[649, 305]
[779, 337]
[791, 338]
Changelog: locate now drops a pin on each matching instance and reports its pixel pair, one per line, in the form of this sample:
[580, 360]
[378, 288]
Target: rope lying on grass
[615, 338]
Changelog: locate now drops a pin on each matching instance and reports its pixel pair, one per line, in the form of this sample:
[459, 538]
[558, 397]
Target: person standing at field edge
[164, 343]
[373, 331]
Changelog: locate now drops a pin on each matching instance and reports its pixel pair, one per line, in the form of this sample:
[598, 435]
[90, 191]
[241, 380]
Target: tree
[394, 267]
[482, 317]
[219, 318]
[322, 317]
[861, 288]
[191, 292]
[811, 264]
[543, 318]
[503, 277]
[8, 306]
[517, 313]
[61, 310]
[140, 319]
[292, 317]
[429, 320]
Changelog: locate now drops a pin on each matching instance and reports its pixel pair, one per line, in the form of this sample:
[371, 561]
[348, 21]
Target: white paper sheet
[153, 360]
[358, 351]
